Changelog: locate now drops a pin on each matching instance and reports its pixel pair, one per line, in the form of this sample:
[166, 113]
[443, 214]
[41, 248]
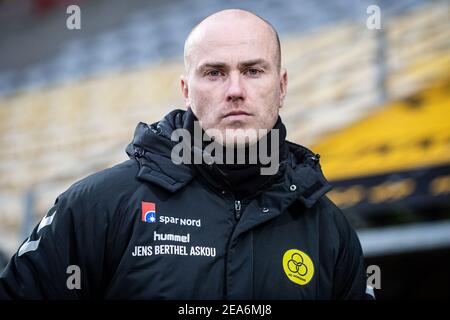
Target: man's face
[233, 79]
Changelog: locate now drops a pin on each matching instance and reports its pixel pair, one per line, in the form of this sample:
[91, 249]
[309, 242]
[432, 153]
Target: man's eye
[213, 73]
[254, 72]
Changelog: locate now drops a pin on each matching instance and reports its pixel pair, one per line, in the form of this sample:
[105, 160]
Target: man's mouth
[236, 115]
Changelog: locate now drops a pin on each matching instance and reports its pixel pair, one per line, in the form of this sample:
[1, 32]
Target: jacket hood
[152, 147]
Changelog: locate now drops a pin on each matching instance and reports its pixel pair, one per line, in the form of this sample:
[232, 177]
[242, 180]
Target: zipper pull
[237, 209]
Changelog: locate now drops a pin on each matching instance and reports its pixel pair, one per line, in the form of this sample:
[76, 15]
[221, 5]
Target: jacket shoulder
[335, 228]
[120, 176]
[333, 215]
[105, 190]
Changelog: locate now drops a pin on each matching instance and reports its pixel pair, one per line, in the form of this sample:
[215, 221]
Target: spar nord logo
[148, 212]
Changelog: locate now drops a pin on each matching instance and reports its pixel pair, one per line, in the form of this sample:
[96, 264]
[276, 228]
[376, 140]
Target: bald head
[231, 26]
[233, 77]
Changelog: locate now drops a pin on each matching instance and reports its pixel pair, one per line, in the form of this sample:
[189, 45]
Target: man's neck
[242, 179]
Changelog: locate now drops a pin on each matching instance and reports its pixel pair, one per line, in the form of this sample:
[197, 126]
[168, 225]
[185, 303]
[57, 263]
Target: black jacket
[290, 242]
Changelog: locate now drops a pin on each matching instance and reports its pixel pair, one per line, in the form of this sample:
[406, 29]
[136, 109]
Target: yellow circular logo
[298, 266]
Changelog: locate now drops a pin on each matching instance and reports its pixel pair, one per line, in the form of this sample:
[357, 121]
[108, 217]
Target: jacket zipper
[237, 209]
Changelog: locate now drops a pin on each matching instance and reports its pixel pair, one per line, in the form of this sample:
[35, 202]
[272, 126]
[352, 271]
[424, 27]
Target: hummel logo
[33, 245]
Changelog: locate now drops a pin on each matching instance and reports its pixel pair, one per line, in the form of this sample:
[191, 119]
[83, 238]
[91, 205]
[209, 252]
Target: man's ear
[185, 90]
[283, 85]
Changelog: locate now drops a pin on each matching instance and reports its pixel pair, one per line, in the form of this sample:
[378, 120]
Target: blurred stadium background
[374, 103]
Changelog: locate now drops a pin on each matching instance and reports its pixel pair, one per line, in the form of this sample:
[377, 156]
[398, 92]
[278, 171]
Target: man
[154, 227]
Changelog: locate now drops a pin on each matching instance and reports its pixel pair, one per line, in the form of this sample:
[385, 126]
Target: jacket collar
[152, 147]
[306, 175]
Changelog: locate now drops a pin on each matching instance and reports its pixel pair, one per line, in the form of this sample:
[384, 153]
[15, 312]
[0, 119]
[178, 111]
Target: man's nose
[236, 89]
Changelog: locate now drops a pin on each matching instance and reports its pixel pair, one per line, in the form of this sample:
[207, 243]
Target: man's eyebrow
[214, 65]
[244, 64]
[254, 62]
